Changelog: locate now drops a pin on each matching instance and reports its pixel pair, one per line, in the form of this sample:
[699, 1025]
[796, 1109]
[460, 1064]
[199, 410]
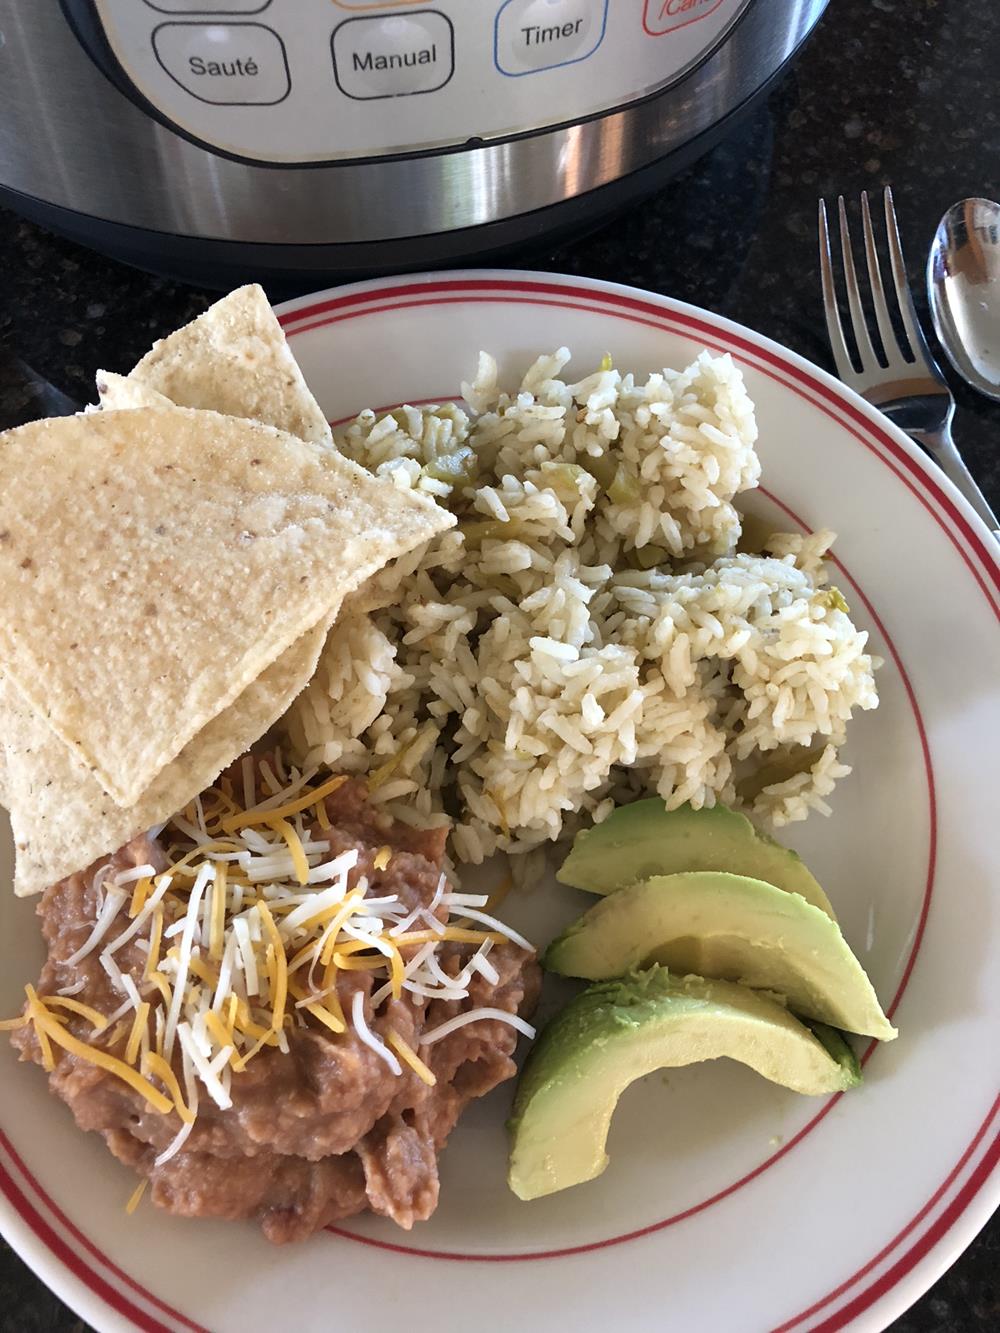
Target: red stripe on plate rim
[76, 1263]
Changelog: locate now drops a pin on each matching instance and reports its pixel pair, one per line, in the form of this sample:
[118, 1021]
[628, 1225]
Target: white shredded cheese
[475, 1016]
[369, 1038]
[113, 900]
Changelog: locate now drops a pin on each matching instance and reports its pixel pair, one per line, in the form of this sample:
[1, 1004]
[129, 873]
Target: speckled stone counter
[898, 91]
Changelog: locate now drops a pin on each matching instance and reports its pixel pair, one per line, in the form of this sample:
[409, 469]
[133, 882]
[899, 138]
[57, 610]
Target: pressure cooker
[303, 138]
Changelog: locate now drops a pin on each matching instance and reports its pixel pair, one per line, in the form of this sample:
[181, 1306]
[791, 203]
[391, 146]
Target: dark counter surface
[888, 91]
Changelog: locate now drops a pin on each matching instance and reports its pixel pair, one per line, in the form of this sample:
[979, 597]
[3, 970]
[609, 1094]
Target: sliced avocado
[614, 1033]
[730, 927]
[836, 1045]
[644, 839]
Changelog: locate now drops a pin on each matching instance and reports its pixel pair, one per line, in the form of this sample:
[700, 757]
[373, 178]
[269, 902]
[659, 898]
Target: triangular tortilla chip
[153, 563]
[234, 359]
[62, 819]
[119, 393]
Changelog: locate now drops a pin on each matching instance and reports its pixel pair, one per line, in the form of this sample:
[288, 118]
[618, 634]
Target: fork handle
[941, 448]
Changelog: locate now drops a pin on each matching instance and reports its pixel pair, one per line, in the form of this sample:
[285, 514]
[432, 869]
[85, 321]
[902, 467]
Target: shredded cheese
[96, 1020]
[45, 1022]
[157, 1066]
[255, 931]
[299, 860]
[135, 1036]
[382, 858]
[412, 1059]
[218, 926]
[139, 893]
[261, 816]
[135, 1197]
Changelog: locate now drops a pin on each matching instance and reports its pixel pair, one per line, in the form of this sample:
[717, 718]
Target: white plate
[729, 1206]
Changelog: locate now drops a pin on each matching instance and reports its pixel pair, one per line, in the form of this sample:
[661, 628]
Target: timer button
[394, 56]
[227, 64]
[535, 35]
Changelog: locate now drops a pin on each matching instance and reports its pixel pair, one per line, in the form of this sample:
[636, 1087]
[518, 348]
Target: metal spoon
[963, 287]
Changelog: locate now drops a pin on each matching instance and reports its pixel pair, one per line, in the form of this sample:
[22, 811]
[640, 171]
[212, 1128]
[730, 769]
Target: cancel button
[230, 64]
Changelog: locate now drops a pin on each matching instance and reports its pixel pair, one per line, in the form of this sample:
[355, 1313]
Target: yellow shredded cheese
[382, 858]
[299, 859]
[397, 968]
[279, 992]
[347, 909]
[223, 1035]
[218, 928]
[367, 963]
[52, 1028]
[322, 818]
[258, 816]
[139, 895]
[328, 1019]
[410, 1057]
[35, 1007]
[454, 933]
[135, 1036]
[156, 1065]
[136, 1196]
[96, 1020]
[209, 975]
[155, 936]
[163, 986]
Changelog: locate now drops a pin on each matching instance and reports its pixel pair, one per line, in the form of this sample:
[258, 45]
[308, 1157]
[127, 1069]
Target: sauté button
[534, 35]
[228, 64]
[394, 56]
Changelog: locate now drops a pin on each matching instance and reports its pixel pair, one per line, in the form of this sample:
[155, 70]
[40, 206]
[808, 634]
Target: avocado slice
[730, 927]
[616, 1032]
[643, 839]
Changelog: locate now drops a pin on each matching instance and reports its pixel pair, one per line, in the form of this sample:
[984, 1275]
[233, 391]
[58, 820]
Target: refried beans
[328, 1129]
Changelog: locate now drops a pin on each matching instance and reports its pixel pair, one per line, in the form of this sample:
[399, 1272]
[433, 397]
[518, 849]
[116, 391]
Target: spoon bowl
[963, 287]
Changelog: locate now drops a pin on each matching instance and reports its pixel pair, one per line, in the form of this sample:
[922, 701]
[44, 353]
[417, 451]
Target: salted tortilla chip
[153, 563]
[119, 393]
[63, 819]
[234, 359]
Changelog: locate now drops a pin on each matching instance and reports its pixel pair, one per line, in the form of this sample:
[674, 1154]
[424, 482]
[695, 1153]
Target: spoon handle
[941, 448]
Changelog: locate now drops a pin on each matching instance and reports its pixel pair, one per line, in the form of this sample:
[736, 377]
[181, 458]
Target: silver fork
[910, 391]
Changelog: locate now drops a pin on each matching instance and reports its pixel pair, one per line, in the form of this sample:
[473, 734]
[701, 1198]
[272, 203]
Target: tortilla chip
[234, 359]
[119, 393]
[153, 563]
[63, 819]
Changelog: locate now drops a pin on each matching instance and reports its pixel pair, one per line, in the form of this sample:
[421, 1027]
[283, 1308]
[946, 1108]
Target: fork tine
[918, 344]
[834, 328]
[890, 343]
[866, 352]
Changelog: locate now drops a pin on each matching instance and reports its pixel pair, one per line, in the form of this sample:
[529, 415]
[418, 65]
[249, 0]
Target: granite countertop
[888, 91]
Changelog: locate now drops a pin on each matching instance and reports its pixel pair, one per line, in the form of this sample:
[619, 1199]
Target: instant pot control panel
[291, 81]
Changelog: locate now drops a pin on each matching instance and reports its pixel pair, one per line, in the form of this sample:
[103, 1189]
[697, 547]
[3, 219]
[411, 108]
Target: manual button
[228, 64]
[534, 35]
[394, 56]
